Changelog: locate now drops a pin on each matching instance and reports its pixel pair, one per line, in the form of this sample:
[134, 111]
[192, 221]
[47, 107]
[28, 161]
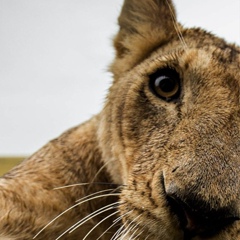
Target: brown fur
[169, 158]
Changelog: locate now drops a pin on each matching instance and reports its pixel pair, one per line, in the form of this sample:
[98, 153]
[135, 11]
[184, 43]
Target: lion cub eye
[165, 84]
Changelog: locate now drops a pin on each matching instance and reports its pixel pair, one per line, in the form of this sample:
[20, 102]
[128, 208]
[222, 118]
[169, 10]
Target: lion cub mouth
[197, 223]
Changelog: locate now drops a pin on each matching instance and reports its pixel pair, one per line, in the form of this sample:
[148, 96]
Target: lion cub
[160, 161]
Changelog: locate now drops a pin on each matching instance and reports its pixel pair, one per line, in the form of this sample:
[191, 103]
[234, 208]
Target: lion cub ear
[144, 25]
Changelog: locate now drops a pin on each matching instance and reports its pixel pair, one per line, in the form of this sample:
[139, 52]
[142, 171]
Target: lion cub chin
[160, 161]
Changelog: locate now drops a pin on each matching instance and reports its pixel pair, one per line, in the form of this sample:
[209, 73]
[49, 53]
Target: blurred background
[54, 56]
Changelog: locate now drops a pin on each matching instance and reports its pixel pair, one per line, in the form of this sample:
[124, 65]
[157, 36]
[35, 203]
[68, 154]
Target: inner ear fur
[144, 25]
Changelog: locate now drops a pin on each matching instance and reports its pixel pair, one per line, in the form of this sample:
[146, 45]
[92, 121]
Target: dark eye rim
[170, 73]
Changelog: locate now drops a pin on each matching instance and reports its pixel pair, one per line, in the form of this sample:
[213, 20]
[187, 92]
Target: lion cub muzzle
[197, 217]
[201, 176]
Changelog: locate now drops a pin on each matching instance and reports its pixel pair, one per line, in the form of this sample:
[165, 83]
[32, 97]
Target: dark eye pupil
[165, 84]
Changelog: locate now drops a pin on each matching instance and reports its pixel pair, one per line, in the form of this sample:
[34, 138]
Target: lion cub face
[173, 113]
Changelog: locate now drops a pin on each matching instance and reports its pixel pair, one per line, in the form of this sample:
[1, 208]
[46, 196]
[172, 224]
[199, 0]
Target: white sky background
[54, 56]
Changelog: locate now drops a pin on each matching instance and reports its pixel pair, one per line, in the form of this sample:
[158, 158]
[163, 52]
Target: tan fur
[154, 150]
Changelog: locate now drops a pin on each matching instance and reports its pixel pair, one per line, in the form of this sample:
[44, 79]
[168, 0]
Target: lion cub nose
[197, 217]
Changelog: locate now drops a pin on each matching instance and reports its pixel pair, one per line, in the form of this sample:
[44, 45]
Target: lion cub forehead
[195, 58]
[178, 59]
[206, 58]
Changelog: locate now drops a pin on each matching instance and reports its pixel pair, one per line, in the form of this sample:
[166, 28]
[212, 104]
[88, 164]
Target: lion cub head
[171, 123]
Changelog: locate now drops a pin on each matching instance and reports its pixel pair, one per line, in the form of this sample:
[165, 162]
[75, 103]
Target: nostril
[197, 219]
[177, 208]
[186, 224]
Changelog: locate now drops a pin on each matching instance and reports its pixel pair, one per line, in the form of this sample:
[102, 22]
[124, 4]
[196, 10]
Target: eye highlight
[165, 84]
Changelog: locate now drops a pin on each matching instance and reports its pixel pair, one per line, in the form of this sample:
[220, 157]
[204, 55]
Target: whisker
[114, 223]
[138, 234]
[123, 215]
[129, 228]
[87, 218]
[104, 165]
[96, 193]
[136, 225]
[150, 223]
[103, 195]
[131, 237]
[70, 208]
[124, 232]
[54, 219]
[132, 227]
[147, 236]
[99, 224]
[111, 190]
[118, 232]
[178, 31]
[71, 185]
[86, 184]
[94, 214]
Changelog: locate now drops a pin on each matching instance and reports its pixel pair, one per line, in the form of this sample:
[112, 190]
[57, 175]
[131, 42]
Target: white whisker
[101, 169]
[92, 215]
[70, 208]
[118, 232]
[133, 234]
[99, 224]
[54, 219]
[149, 223]
[123, 215]
[114, 223]
[96, 193]
[147, 236]
[129, 228]
[178, 31]
[71, 185]
[87, 218]
[123, 231]
[85, 184]
[137, 234]
[103, 195]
